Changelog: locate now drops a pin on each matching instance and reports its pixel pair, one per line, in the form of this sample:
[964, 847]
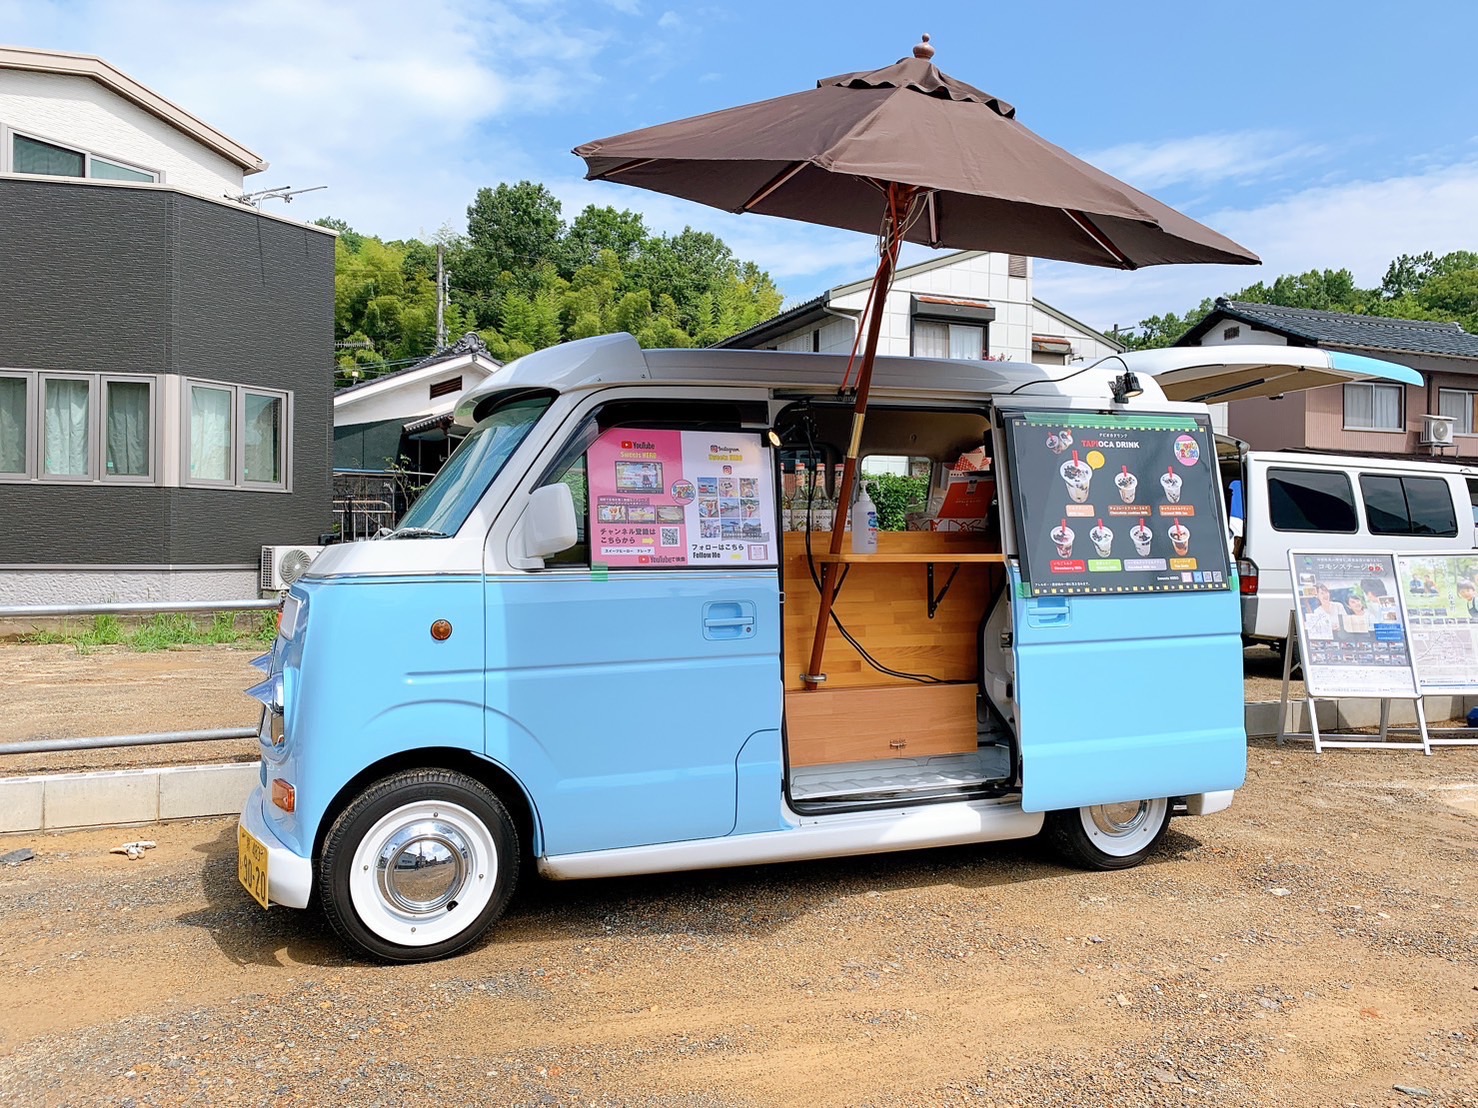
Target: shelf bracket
[936, 600]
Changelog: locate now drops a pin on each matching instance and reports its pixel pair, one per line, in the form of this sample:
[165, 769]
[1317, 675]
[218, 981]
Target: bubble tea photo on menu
[1076, 475]
[1170, 482]
[1102, 539]
[1180, 538]
[1141, 536]
[1127, 484]
[1063, 536]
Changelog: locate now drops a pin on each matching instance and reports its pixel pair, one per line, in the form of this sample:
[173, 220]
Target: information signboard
[1116, 503]
[1352, 631]
[1442, 615]
[681, 498]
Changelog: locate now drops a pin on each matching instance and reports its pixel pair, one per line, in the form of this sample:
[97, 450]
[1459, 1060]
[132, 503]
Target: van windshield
[449, 499]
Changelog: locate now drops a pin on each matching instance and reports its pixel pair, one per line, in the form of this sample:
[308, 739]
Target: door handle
[728, 619]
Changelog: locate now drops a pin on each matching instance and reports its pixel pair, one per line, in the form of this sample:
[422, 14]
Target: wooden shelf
[911, 558]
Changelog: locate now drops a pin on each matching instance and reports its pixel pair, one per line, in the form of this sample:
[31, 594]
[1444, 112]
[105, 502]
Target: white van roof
[1175, 373]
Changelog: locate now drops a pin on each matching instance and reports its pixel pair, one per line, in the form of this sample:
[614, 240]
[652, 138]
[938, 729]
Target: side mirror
[548, 524]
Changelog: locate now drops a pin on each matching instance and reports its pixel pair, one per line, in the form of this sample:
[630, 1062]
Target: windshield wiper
[417, 533]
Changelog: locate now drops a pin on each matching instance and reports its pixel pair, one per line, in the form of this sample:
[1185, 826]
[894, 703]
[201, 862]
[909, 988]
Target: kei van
[587, 648]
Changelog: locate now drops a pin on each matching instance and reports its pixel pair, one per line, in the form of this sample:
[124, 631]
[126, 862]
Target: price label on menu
[1108, 503]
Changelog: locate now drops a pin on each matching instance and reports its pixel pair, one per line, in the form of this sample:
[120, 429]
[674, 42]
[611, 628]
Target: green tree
[512, 230]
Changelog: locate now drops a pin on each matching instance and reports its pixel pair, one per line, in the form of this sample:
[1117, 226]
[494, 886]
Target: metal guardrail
[147, 607]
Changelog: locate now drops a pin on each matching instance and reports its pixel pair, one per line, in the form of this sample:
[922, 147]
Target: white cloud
[669, 20]
[1356, 225]
[1203, 159]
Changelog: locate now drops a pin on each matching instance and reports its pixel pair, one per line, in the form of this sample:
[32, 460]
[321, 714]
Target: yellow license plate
[251, 864]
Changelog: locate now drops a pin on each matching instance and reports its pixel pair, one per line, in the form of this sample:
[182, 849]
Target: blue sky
[1317, 134]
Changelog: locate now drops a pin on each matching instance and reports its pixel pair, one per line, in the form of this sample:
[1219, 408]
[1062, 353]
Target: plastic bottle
[864, 523]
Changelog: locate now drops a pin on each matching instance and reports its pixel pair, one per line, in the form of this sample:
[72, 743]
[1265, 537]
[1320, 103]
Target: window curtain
[12, 425]
[1385, 407]
[65, 425]
[210, 433]
[966, 341]
[262, 439]
[1459, 407]
[42, 157]
[930, 340]
[128, 429]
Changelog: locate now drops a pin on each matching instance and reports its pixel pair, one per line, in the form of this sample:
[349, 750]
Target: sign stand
[1443, 629]
[1382, 742]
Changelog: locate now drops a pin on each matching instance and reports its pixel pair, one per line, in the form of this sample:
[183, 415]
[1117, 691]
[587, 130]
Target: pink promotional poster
[681, 498]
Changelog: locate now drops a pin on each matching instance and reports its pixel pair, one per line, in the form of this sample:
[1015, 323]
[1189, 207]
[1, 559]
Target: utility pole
[440, 300]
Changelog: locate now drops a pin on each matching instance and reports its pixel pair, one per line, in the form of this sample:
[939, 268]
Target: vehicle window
[570, 467]
[1398, 505]
[1311, 500]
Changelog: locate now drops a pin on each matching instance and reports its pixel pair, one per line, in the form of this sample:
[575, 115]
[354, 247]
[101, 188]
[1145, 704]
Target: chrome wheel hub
[1119, 819]
[422, 867]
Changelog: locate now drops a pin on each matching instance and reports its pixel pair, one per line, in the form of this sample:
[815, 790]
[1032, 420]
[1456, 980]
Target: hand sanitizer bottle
[864, 523]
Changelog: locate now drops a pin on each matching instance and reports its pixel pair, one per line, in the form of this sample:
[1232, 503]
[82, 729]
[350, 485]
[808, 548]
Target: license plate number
[251, 865]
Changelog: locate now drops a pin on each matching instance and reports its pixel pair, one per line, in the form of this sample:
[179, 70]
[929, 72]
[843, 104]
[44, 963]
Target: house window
[128, 429]
[15, 425]
[33, 155]
[1460, 406]
[933, 339]
[1370, 407]
[66, 427]
[77, 427]
[237, 436]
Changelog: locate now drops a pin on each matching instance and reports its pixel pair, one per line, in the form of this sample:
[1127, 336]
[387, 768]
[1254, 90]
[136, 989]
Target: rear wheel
[419, 865]
[1108, 836]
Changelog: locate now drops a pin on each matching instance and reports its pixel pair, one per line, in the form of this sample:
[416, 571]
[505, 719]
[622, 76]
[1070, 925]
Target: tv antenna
[285, 193]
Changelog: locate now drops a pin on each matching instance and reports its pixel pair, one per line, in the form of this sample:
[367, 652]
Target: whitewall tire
[1109, 836]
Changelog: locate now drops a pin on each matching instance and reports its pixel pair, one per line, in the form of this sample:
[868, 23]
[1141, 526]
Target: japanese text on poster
[1351, 629]
[681, 498]
[1441, 595]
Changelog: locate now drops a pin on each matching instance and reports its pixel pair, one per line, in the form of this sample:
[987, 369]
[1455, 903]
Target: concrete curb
[68, 801]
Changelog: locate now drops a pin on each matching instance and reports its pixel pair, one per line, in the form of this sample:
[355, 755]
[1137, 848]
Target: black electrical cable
[1068, 377]
[921, 678]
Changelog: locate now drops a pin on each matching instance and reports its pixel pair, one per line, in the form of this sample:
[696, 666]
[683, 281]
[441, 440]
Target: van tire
[1108, 836]
[447, 820]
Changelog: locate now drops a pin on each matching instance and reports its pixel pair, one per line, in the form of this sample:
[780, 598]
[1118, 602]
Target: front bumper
[289, 877]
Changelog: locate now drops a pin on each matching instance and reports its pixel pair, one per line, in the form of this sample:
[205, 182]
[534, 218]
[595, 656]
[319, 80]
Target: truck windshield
[449, 499]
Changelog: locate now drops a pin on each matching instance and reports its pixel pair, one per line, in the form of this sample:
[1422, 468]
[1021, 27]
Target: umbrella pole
[899, 200]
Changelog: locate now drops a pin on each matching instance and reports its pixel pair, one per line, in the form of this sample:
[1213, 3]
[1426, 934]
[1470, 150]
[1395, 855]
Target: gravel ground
[1315, 945]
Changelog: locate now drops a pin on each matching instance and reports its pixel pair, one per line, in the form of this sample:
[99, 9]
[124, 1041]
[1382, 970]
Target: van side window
[1397, 505]
[684, 415]
[1311, 500]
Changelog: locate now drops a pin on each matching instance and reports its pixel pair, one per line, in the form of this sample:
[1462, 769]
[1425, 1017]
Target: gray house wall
[147, 280]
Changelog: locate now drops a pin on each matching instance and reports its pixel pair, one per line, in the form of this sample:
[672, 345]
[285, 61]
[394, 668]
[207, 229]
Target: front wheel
[419, 865]
[1108, 836]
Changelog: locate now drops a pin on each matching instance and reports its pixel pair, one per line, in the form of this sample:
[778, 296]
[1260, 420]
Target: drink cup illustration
[1102, 539]
[1063, 536]
[1141, 536]
[1127, 483]
[1170, 482]
[1076, 475]
[1180, 538]
[1058, 441]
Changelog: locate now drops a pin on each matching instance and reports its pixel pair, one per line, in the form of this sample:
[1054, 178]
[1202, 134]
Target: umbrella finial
[924, 50]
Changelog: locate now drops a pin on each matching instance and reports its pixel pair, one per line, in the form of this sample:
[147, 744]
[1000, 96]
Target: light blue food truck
[586, 649]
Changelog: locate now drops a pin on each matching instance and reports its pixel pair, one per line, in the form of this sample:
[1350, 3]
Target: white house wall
[973, 277]
[1087, 348]
[79, 112]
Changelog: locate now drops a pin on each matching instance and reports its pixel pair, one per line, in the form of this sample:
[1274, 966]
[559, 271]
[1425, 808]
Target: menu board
[1441, 595]
[1352, 636]
[1116, 503]
[681, 498]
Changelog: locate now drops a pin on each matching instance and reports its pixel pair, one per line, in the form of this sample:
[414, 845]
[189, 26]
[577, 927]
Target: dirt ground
[1317, 944]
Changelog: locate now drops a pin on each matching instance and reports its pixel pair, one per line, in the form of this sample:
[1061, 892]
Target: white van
[1312, 501]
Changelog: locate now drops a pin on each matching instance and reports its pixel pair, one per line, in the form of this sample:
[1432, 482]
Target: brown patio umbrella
[914, 155]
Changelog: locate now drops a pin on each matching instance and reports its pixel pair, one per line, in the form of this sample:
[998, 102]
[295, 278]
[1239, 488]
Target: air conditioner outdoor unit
[282, 565]
[1436, 430]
